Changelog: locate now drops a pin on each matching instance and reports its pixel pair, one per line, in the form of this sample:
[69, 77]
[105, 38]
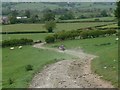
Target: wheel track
[69, 73]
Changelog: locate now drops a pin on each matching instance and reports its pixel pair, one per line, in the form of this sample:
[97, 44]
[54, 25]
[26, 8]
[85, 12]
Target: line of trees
[117, 12]
[30, 18]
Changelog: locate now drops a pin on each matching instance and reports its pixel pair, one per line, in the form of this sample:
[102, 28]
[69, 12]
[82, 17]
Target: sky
[58, 0]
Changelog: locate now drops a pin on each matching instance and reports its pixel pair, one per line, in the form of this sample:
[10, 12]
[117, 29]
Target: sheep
[105, 67]
[12, 48]
[117, 39]
[20, 47]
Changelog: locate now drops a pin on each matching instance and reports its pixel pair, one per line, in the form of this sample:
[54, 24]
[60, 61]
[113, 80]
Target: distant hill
[40, 6]
[88, 9]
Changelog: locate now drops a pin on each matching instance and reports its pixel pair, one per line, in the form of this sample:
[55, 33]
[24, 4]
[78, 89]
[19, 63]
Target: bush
[97, 19]
[84, 34]
[29, 67]
[50, 39]
[110, 32]
[16, 42]
[10, 81]
[50, 25]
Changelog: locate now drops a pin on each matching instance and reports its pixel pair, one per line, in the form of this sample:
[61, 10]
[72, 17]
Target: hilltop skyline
[58, 0]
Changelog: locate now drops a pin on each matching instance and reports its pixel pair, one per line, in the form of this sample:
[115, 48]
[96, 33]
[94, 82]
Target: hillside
[78, 8]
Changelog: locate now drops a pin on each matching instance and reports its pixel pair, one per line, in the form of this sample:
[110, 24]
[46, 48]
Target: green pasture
[107, 55]
[0, 68]
[74, 26]
[59, 27]
[110, 26]
[92, 19]
[22, 27]
[37, 36]
[15, 61]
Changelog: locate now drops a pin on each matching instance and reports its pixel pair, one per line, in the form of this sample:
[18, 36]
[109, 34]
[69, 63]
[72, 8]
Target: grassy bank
[15, 61]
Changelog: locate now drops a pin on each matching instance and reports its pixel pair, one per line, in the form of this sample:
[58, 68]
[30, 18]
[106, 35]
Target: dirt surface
[69, 73]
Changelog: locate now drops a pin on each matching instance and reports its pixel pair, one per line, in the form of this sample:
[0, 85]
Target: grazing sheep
[117, 39]
[20, 47]
[38, 41]
[12, 48]
[105, 67]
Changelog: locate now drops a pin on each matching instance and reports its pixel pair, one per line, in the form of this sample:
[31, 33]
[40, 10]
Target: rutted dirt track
[69, 73]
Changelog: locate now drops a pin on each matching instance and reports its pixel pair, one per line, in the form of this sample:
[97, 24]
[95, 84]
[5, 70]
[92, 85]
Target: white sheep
[117, 39]
[12, 48]
[20, 47]
[105, 67]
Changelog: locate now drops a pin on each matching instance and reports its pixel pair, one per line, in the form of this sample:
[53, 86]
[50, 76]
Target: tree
[117, 12]
[13, 16]
[50, 39]
[34, 19]
[67, 16]
[104, 13]
[48, 15]
[13, 19]
[14, 13]
[27, 13]
[50, 25]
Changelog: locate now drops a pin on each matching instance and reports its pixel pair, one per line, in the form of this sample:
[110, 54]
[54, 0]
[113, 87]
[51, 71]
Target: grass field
[92, 19]
[14, 63]
[0, 60]
[59, 27]
[108, 55]
[110, 26]
[38, 36]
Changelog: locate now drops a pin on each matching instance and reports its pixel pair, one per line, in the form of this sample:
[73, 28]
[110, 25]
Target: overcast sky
[58, 0]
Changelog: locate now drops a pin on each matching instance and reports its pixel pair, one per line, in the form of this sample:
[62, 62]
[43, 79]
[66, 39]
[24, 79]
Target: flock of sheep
[20, 47]
[12, 48]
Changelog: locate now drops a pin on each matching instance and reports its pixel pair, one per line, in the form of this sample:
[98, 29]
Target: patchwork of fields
[87, 53]
[17, 59]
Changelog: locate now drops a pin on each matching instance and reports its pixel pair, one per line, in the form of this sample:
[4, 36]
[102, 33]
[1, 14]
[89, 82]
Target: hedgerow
[83, 34]
[16, 42]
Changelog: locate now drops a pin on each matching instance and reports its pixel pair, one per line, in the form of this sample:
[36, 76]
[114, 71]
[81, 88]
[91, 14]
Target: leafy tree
[81, 17]
[67, 16]
[48, 15]
[117, 12]
[27, 13]
[14, 13]
[13, 19]
[104, 13]
[50, 39]
[13, 16]
[34, 18]
[50, 25]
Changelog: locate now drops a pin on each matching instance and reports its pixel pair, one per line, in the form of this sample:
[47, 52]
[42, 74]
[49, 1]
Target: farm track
[69, 73]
